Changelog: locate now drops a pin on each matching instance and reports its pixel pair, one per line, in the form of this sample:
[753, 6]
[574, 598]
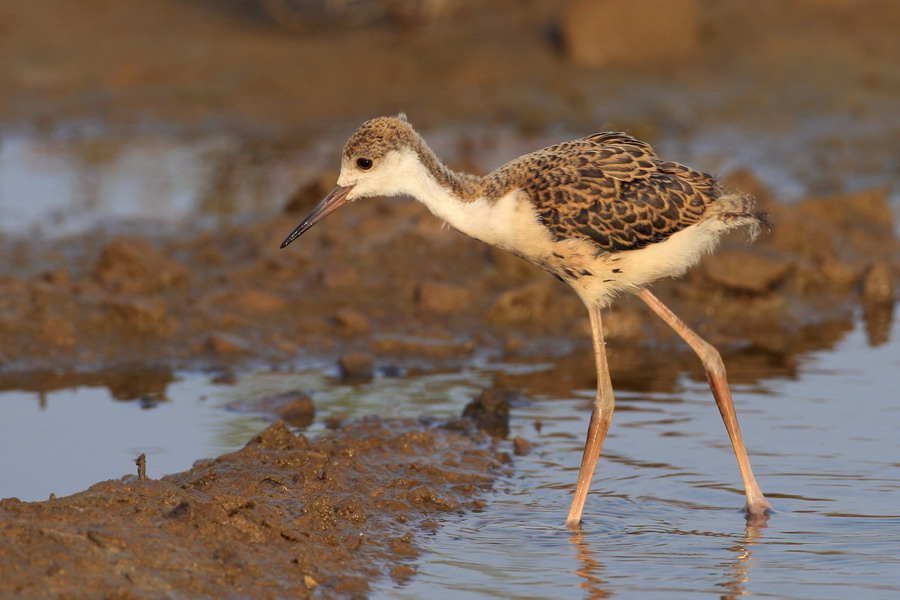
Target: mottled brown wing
[612, 189]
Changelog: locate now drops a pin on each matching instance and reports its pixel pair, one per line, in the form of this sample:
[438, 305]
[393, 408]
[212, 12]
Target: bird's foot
[758, 511]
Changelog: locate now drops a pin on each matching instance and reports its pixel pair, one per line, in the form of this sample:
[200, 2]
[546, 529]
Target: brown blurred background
[293, 66]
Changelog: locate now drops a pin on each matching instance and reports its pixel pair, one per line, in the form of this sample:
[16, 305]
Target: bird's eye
[364, 163]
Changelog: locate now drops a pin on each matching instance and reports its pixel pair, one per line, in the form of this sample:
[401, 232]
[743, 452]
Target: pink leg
[599, 425]
[718, 383]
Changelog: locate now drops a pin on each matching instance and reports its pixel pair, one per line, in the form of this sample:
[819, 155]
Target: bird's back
[610, 189]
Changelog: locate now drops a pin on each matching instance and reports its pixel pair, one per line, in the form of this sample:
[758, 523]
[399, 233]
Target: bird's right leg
[601, 417]
[757, 504]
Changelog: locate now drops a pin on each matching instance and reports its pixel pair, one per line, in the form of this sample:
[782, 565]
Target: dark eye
[364, 163]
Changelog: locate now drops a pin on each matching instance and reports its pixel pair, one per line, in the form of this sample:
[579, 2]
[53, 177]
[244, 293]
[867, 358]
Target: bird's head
[380, 159]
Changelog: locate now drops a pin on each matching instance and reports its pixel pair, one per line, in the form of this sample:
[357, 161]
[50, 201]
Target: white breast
[509, 223]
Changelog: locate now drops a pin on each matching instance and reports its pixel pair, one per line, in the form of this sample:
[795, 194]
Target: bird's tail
[739, 210]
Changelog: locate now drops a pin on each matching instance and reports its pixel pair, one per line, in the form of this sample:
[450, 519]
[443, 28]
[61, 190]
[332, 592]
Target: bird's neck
[459, 199]
[463, 186]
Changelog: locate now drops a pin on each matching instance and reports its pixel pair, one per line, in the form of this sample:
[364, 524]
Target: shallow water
[81, 177]
[663, 518]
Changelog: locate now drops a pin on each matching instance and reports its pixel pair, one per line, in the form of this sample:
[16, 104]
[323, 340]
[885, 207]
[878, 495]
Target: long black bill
[333, 201]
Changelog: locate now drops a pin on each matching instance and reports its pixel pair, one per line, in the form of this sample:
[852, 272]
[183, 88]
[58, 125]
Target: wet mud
[219, 299]
[283, 516]
[382, 287]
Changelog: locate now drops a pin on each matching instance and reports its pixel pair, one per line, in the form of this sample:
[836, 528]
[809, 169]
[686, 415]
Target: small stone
[278, 437]
[335, 422]
[490, 411]
[295, 408]
[357, 366]
[309, 582]
[521, 446]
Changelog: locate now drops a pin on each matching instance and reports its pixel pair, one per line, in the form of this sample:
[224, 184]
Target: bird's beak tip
[334, 200]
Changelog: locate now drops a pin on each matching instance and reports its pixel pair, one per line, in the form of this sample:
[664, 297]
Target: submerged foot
[758, 510]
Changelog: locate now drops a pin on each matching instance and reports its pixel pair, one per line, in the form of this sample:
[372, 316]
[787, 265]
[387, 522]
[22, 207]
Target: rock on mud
[295, 408]
[357, 366]
[490, 411]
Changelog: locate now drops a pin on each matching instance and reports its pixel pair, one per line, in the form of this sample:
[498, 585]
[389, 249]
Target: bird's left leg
[601, 417]
[718, 383]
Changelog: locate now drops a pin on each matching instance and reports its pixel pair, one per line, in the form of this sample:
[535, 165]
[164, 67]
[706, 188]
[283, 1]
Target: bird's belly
[598, 278]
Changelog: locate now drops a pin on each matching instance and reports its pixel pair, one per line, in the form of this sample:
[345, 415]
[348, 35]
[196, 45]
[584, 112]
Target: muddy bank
[381, 284]
[283, 516]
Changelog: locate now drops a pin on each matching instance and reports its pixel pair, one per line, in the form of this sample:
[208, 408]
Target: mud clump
[489, 411]
[278, 518]
[134, 266]
[295, 408]
[357, 367]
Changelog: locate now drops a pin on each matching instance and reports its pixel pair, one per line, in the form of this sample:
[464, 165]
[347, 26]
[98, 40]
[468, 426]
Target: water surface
[663, 517]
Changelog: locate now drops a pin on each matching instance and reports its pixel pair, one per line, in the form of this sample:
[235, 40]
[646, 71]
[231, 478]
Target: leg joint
[711, 358]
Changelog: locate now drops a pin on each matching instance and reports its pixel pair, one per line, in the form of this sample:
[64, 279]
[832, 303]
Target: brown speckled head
[371, 145]
[378, 136]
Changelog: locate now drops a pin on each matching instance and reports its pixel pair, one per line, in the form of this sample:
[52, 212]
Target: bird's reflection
[739, 568]
[589, 569]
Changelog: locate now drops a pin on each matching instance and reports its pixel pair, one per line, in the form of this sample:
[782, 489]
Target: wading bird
[601, 213]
